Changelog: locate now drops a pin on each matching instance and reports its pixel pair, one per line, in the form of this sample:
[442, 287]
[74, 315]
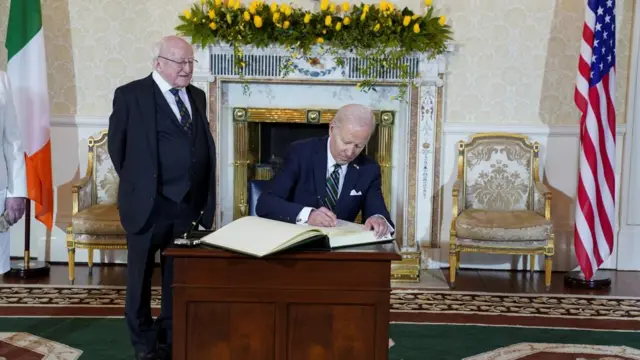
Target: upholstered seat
[500, 206]
[517, 225]
[99, 219]
[95, 222]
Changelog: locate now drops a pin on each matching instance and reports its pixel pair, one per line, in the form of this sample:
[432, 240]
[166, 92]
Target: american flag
[594, 97]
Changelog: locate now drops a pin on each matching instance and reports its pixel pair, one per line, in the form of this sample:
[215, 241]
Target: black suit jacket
[133, 147]
[302, 182]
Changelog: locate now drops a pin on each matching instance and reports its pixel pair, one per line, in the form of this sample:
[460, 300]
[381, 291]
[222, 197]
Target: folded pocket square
[355, 193]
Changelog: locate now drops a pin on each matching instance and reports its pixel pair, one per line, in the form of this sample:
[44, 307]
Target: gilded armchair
[500, 206]
[95, 222]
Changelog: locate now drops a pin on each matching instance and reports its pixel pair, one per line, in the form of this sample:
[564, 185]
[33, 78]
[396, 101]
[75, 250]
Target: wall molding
[451, 128]
[79, 121]
[448, 128]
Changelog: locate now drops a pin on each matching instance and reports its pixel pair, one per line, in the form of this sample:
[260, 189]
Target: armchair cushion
[99, 219]
[508, 225]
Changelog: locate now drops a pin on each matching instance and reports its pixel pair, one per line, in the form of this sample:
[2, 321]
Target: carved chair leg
[453, 257]
[72, 266]
[532, 262]
[548, 262]
[457, 260]
[90, 261]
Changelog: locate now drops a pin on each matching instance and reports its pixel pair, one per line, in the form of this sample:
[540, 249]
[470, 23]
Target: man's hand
[14, 207]
[378, 224]
[322, 217]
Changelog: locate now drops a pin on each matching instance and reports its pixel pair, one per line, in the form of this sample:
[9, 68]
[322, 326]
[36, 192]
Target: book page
[346, 233]
[257, 236]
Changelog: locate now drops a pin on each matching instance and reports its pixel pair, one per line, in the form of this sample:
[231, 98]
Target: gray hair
[355, 114]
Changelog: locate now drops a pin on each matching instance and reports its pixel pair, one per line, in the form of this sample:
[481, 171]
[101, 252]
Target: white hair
[355, 114]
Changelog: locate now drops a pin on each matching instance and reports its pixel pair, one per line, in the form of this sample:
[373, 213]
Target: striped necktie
[333, 181]
[185, 118]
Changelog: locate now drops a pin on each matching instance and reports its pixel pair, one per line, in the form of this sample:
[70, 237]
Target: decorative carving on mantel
[214, 61]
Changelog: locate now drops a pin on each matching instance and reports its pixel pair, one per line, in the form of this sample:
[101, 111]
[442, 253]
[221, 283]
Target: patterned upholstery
[500, 205]
[95, 221]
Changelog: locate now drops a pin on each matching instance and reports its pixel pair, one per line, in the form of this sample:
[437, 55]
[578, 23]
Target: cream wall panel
[516, 62]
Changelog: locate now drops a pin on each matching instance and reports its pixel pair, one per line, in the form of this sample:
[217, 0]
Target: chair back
[105, 180]
[498, 171]
[255, 189]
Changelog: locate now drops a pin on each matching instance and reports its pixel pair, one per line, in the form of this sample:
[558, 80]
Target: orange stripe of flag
[40, 184]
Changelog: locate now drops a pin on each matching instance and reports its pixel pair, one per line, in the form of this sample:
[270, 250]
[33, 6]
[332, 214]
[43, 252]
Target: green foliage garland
[382, 33]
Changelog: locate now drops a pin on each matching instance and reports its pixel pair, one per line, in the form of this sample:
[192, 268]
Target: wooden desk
[299, 306]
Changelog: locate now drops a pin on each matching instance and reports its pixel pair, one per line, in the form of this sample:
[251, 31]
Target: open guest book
[253, 235]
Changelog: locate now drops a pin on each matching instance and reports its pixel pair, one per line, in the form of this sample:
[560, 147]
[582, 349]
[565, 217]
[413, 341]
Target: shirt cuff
[303, 216]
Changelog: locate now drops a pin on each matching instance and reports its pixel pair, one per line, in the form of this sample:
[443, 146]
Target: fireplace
[261, 137]
[247, 115]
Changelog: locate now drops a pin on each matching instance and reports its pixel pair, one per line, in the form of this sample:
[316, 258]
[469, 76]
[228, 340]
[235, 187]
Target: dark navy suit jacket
[301, 183]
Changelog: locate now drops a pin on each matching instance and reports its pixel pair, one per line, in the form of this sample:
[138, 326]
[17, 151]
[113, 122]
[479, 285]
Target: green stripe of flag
[25, 20]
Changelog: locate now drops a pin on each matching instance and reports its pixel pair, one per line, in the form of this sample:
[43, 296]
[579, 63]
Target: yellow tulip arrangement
[381, 32]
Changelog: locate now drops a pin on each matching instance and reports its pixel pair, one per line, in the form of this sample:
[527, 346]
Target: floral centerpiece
[382, 32]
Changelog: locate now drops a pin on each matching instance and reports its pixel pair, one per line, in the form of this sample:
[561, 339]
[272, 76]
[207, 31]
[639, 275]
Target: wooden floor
[624, 283]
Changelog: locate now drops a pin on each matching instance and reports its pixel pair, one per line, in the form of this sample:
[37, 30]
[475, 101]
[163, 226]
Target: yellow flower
[347, 20]
[365, 9]
[332, 7]
[324, 5]
[274, 6]
[246, 16]
[230, 3]
[236, 6]
[276, 17]
[376, 28]
[257, 21]
[443, 20]
[187, 14]
[286, 24]
[218, 2]
[416, 28]
[212, 14]
[428, 2]
[307, 18]
[287, 9]
[242, 64]
[327, 20]
[319, 40]
[415, 16]
[213, 26]
[345, 6]
[406, 20]
[338, 26]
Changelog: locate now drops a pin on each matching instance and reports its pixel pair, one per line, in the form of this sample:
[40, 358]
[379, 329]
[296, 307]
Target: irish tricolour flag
[27, 72]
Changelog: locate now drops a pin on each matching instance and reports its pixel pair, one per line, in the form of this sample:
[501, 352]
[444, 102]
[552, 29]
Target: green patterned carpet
[106, 338]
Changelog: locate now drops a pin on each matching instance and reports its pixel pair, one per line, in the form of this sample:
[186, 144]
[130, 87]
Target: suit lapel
[349, 181]
[320, 170]
[148, 107]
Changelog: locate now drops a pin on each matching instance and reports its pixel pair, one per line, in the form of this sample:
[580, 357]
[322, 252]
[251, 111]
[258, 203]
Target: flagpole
[27, 268]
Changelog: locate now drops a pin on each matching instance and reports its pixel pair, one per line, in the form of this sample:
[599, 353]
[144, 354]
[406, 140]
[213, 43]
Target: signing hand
[378, 224]
[14, 207]
[322, 217]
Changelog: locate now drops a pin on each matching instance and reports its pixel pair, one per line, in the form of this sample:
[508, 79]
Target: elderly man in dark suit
[164, 154]
[328, 178]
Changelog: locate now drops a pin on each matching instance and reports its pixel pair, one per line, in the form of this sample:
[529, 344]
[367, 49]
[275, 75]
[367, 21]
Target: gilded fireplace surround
[245, 155]
[423, 135]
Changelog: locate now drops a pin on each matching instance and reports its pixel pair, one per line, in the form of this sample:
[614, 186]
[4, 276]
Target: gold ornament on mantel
[382, 33]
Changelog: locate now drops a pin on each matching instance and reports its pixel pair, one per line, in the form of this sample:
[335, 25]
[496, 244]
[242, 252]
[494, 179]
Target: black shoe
[146, 356]
[164, 351]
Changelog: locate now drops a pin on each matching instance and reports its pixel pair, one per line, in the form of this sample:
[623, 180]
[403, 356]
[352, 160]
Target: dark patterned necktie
[333, 181]
[185, 118]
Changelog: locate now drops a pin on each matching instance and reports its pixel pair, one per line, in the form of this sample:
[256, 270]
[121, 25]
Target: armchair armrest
[458, 198]
[542, 199]
[82, 191]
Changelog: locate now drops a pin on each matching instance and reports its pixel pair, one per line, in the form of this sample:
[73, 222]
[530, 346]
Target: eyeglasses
[182, 63]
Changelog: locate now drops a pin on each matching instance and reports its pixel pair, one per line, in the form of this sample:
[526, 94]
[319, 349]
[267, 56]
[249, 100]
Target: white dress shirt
[165, 87]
